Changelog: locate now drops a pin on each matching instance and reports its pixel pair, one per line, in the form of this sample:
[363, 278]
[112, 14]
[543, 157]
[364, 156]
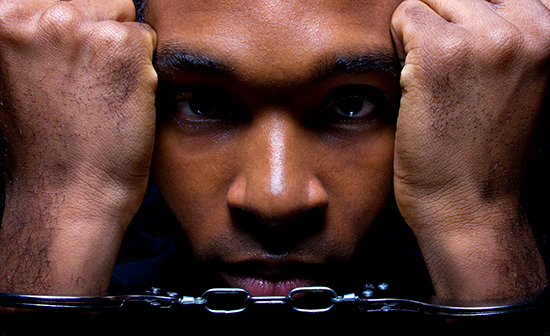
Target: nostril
[293, 218]
[280, 235]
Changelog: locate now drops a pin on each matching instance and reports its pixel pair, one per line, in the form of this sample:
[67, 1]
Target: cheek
[193, 176]
[359, 182]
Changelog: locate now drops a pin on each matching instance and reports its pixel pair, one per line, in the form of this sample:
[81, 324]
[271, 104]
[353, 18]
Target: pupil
[351, 106]
[201, 106]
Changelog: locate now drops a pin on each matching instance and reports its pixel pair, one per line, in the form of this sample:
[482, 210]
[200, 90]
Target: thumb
[397, 36]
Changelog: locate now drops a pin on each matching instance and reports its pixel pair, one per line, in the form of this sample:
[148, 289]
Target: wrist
[478, 251]
[77, 197]
[59, 243]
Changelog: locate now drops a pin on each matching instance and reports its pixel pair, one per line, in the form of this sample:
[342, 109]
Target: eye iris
[351, 106]
[201, 107]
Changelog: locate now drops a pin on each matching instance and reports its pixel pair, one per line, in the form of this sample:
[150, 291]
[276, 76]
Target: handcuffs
[301, 299]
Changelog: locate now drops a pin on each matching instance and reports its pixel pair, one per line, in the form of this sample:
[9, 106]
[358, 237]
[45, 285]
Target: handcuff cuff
[302, 299]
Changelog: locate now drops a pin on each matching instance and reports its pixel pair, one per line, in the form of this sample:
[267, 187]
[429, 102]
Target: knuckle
[413, 11]
[14, 20]
[521, 41]
[538, 45]
[500, 44]
[27, 24]
[511, 43]
[120, 36]
[8, 12]
[108, 36]
[399, 12]
[495, 47]
[120, 47]
[112, 33]
[61, 18]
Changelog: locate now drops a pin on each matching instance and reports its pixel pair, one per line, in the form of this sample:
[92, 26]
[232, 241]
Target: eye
[353, 107]
[353, 103]
[197, 107]
[197, 102]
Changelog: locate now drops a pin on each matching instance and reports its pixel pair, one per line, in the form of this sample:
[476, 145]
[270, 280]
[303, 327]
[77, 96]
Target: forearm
[52, 243]
[484, 251]
[78, 119]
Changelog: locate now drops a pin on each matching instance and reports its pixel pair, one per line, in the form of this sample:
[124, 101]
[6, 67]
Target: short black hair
[140, 8]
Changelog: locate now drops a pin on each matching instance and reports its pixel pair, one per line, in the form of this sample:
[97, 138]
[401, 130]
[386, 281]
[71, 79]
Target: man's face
[275, 136]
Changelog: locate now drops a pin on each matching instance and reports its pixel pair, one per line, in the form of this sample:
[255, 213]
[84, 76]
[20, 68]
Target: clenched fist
[474, 81]
[77, 115]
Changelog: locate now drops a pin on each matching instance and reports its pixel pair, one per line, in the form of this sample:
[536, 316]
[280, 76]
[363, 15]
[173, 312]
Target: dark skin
[280, 189]
[277, 146]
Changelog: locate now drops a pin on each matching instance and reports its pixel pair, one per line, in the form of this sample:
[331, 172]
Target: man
[274, 142]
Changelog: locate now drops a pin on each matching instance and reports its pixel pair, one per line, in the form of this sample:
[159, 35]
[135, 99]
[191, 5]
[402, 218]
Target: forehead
[286, 35]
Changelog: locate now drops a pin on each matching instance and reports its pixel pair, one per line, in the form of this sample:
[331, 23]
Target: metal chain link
[301, 299]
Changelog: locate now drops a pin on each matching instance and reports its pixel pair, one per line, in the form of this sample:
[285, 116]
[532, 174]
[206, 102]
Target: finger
[148, 35]
[531, 18]
[533, 4]
[410, 23]
[473, 12]
[462, 11]
[22, 9]
[507, 22]
[99, 10]
[123, 37]
[524, 12]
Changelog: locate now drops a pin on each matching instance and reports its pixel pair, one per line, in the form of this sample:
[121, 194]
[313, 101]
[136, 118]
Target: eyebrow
[171, 60]
[359, 63]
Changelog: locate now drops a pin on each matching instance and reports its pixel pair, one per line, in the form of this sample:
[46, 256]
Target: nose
[277, 185]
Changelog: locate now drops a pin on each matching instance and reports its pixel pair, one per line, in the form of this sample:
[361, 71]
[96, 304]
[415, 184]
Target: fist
[77, 102]
[474, 82]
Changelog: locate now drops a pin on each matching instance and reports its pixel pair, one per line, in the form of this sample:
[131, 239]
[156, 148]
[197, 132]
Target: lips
[257, 286]
[270, 280]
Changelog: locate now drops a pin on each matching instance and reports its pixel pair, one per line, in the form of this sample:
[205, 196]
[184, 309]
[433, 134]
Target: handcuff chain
[324, 299]
[301, 299]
